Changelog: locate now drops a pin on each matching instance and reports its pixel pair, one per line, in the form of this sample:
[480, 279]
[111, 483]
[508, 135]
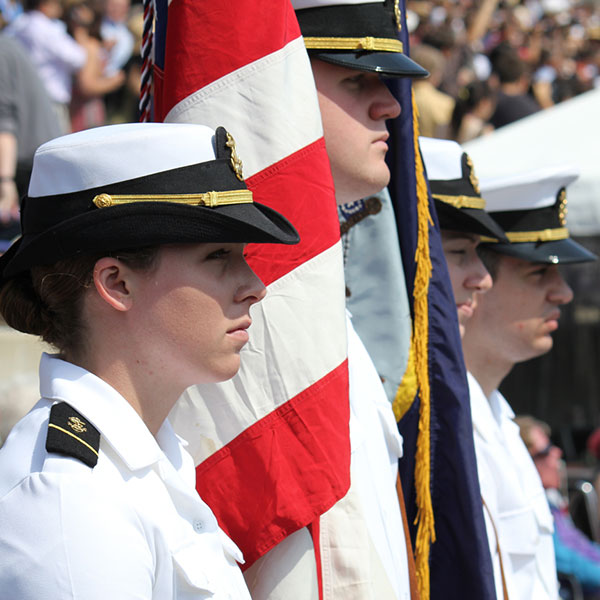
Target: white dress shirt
[132, 527]
[516, 504]
[53, 51]
[376, 448]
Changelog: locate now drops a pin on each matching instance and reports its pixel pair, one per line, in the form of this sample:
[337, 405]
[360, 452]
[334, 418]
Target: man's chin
[542, 346]
[359, 186]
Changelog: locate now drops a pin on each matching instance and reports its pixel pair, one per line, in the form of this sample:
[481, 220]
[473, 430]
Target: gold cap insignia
[236, 162]
[398, 14]
[562, 207]
[472, 177]
[76, 424]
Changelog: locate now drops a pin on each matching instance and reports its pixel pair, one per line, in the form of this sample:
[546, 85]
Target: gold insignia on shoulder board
[562, 207]
[76, 424]
[398, 14]
[236, 162]
[472, 177]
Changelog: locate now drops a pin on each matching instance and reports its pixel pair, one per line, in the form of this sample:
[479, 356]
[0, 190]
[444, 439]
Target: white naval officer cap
[531, 207]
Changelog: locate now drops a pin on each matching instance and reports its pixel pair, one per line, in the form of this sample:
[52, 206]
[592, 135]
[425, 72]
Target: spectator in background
[544, 79]
[26, 121]
[116, 33]
[513, 102]
[87, 108]
[472, 111]
[9, 10]
[575, 554]
[457, 56]
[593, 458]
[120, 41]
[122, 105]
[57, 56]
[435, 107]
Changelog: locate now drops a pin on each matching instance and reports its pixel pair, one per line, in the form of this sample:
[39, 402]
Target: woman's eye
[221, 253]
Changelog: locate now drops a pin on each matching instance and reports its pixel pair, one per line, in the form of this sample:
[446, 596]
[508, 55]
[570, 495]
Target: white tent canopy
[566, 134]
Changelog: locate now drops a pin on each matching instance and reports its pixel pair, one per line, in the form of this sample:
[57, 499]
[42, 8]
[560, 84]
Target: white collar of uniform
[482, 413]
[504, 415]
[116, 420]
[500, 407]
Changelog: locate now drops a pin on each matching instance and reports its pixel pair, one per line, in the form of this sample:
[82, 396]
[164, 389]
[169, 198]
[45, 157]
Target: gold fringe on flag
[416, 376]
[407, 390]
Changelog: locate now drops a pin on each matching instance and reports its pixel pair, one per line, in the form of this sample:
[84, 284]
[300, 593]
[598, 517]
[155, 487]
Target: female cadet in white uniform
[130, 263]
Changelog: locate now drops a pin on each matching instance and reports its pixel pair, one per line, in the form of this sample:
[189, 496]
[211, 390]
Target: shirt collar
[500, 407]
[116, 420]
[484, 420]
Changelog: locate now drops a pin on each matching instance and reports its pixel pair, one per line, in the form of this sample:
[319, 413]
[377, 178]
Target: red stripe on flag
[299, 187]
[315, 533]
[284, 471]
[201, 49]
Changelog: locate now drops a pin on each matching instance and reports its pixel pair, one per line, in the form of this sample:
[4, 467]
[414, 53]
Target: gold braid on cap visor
[543, 235]
[461, 201]
[211, 199]
[343, 43]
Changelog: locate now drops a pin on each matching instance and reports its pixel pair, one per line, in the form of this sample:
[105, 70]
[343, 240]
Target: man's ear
[113, 282]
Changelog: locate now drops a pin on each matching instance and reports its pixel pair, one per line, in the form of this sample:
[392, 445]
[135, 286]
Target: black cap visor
[555, 252]
[469, 220]
[386, 64]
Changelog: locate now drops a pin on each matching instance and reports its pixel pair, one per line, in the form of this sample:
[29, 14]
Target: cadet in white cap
[463, 219]
[513, 323]
[131, 263]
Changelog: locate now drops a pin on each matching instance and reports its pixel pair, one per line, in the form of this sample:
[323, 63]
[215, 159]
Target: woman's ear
[113, 282]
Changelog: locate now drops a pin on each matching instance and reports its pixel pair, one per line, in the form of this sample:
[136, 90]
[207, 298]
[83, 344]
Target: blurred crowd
[65, 65]
[86, 52]
[493, 62]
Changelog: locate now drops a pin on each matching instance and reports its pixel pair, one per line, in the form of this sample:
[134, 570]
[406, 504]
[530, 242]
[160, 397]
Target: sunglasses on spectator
[544, 452]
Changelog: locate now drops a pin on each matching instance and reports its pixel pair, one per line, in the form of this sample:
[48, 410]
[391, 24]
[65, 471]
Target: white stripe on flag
[278, 89]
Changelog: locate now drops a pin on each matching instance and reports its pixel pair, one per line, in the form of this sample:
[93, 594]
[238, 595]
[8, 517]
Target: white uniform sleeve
[63, 538]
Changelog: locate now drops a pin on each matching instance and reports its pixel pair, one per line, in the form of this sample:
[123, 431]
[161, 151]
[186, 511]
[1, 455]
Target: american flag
[272, 445]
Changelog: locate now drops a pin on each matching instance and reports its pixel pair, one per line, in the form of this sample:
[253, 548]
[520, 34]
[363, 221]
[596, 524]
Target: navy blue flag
[438, 470]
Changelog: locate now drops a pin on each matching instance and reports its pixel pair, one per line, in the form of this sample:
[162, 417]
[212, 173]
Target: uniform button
[198, 525]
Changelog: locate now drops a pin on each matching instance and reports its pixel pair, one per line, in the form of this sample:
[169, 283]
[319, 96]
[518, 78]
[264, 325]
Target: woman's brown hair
[47, 301]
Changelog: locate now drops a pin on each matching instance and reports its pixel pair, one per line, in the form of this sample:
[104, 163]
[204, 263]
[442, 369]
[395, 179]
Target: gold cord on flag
[417, 375]
[407, 390]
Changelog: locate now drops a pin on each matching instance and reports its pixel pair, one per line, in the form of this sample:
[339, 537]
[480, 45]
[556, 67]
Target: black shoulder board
[72, 434]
